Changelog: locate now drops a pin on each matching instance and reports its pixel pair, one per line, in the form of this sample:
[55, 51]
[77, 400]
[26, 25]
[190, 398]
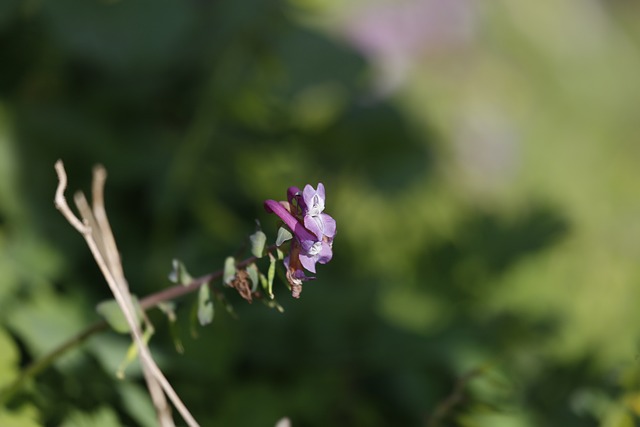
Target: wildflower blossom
[313, 232]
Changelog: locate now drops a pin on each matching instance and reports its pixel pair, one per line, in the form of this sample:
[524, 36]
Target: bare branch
[97, 247]
[87, 215]
[97, 198]
[61, 203]
[102, 245]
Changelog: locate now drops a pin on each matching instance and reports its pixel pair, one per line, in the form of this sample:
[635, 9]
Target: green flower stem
[146, 303]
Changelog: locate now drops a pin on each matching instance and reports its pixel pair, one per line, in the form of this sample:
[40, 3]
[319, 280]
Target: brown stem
[180, 290]
[146, 303]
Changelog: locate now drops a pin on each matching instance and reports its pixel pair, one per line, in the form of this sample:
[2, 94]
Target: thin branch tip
[61, 203]
[100, 171]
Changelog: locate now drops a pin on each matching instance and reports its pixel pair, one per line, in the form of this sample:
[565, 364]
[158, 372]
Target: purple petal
[329, 225]
[320, 191]
[309, 246]
[325, 254]
[321, 225]
[308, 193]
[314, 224]
[313, 252]
[291, 221]
[308, 262]
[293, 192]
[272, 206]
[313, 199]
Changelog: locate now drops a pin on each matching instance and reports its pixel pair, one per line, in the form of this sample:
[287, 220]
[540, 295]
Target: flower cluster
[313, 232]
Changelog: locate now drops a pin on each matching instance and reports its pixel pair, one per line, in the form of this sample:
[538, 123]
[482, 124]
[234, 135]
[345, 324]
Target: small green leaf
[252, 271]
[270, 275]
[258, 240]
[132, 352]
[280, 254]
[205, 305]
[112, 313]
[169, 308]
[229, 270]
[174, 274]
[179, 273]
[283, 236]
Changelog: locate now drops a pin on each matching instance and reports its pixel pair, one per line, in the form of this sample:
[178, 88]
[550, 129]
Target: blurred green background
[481, 160]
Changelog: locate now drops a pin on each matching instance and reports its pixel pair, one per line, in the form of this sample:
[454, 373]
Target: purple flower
[313, 252]
[315, 220]
[311, 249]
[312, 229]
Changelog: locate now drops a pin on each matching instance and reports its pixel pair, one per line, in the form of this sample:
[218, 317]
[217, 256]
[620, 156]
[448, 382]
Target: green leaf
[270, 275]
[205, 305]
[283, 236]
[136, 401]
[109, 350]
[179, 273]
[112, 313]
[169, 308]
[229, 270]
[280, 254]
[104, 417]
[252, 271]
[46, 320]
[132, 352]
[258, 240]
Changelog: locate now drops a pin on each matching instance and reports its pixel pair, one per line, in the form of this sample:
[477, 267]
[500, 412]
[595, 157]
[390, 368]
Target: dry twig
[96, 231]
